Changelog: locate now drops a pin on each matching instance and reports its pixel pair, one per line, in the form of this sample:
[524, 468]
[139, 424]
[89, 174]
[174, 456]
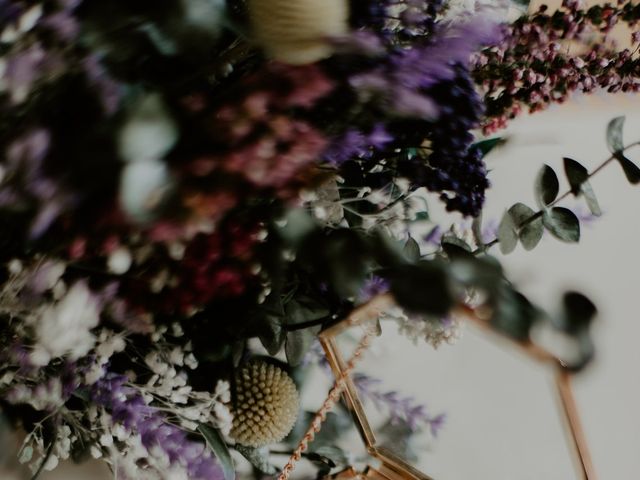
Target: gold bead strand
[327, 406]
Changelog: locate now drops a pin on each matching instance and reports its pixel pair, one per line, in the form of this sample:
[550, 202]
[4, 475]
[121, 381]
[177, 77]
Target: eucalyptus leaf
[507, 234]
[578, 178]
[485, 146]
[328, 457]
[302, 309]
[563, 224]
[164, 44]
[422, 217]
[424, 287]
[238, 351]
[259, 458]
[411, 250]
[586, 348]
[530, 228]
[513, 314]
[615, 135]
[451, 239]
[579, 312]
[476, 229]
[576, 173]
[273, 335]
[296, 225]
[591, 199]
[219, 448]
[631, 170]
[298, 344]
[547, 186]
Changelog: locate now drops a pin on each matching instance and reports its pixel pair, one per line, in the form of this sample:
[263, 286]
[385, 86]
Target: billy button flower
[266, 405]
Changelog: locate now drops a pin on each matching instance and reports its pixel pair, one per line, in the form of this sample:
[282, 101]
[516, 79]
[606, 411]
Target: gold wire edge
[393, 467]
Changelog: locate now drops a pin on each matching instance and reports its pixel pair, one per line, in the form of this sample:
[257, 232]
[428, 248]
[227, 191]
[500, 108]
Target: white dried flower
[119, 261]
[64, 329]
[435, 332]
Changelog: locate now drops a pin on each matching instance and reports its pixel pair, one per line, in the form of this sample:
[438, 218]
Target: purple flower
[23, 69]
[424, 66]
[373, 287]
[401, 409]
[128, 407]
[354, 143]
[9, 11]
[108, 89]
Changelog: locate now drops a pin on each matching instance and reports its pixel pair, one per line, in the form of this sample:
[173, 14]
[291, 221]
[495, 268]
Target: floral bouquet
[190, 190]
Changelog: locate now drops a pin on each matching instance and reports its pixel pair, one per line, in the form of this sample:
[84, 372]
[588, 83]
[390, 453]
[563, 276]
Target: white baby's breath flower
[64, 328]
[119, 262]
[435, 332]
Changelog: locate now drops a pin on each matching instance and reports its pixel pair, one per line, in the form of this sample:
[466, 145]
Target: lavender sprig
[129, 408]
[402, 409]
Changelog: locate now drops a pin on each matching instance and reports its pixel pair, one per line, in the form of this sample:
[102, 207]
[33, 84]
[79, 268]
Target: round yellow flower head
[266, 405]
[297, 31]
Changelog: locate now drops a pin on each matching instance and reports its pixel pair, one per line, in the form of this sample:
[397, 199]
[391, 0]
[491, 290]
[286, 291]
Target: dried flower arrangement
[191, 190]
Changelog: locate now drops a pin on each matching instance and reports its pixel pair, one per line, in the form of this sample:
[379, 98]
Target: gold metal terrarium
[390, 466]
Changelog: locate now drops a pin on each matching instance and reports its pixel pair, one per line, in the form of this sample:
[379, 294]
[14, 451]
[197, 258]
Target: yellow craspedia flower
[296, 31]
[266, 405]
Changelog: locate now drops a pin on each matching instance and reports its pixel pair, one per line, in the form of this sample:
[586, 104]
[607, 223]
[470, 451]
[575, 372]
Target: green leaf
[579, 312]
[333, 453]
[450, 238]
[304, 309]
[237, 352]
[298, 344]
[592, 200]
[576, 174]
[258, 457]
[333, 428]
[546, 186]
[423, 287]
[614, 135]
[563, 224]
[578, 177]
[327, 458]
[422, 217]
[631, 170]
[273, 335]
[529, 231]
[507, 234]
[476, 229]
[296, 226]
[485, 146]
[411, 250]
[616, 145]
[513, 314]
[220, 450]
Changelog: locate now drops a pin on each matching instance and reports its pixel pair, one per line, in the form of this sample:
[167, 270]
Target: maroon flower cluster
[535, 67]
[214, 266]
[258, 139]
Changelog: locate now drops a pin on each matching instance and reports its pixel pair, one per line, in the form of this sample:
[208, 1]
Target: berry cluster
[533, 67]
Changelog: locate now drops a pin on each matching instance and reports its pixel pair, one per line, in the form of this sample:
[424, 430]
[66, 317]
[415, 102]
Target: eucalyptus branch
[540, 213]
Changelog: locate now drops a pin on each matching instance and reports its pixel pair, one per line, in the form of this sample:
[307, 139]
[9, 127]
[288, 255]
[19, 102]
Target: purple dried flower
[128, 407]
[400, 408]
[373, 287]
[354, 143]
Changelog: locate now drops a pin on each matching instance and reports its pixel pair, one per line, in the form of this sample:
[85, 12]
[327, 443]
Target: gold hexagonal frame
[392, 467]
